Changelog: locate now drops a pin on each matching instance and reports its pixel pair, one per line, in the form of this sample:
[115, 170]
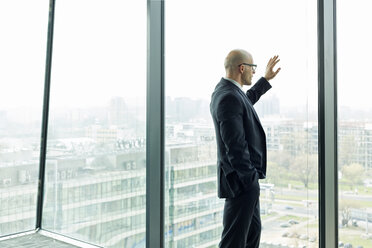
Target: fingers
[270, 60]
[270, 73]
[273, 61]
[277, 71]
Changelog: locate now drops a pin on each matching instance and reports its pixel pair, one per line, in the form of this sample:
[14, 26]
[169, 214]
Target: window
[97, 123]
[355, 123]
[197, 41]
[22, 63]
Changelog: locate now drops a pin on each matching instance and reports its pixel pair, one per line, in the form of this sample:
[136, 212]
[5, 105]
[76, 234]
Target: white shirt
[234, 82]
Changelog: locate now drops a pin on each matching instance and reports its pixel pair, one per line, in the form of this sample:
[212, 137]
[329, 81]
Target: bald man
[241, 148]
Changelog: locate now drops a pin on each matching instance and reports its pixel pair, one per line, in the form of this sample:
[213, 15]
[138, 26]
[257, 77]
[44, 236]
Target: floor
[34, 240]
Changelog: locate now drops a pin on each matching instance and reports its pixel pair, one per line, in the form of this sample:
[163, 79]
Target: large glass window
[354, 123]
[22, 61]
[95, 173]
[199, 34]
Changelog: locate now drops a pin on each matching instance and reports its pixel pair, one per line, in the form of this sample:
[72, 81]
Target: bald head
[242, 74]
[236, 57]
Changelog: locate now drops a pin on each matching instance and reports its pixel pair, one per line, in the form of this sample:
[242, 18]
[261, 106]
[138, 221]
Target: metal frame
[327, 118]
[67, 240]
[51, 235]
[16, 235]
[155, 125]
[44, 128]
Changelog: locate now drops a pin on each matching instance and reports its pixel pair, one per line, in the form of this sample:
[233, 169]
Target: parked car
[293, 222]
[285, 225]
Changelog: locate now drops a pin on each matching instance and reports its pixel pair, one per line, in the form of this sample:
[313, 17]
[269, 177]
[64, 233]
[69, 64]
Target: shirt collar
[234, 82]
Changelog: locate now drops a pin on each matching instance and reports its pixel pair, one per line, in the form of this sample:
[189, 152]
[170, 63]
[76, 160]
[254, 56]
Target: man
[241, 148]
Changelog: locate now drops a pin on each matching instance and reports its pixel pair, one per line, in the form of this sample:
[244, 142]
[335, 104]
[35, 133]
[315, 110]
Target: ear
[241, 68]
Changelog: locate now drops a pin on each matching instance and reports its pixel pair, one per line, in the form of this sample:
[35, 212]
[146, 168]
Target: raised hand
[270, 73]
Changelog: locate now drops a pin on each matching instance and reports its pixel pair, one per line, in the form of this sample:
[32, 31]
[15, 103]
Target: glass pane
[95, 175]
[199, 35]
[355, 123]
[22, 63]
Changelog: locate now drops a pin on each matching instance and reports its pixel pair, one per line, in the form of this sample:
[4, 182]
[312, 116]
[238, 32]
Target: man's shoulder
[225, 93]
[225, 99]
[225, 87]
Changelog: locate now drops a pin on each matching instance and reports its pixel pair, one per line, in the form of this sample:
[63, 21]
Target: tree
[353, 174]
[345, 207]
[276, 174]
[304, 168]
[347, 147]
[281, 158]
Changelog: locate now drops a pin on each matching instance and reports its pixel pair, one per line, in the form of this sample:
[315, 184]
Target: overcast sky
[100, 49]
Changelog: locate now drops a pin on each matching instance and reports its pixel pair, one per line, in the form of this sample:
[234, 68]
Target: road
[301, 209]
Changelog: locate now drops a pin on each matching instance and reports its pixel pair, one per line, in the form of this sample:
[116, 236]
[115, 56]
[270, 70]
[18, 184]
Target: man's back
[241, 143]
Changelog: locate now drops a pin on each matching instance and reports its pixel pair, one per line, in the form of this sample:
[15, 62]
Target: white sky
[210, 30]
[100, 49]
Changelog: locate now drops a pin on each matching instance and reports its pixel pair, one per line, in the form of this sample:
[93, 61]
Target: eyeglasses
[253, 66]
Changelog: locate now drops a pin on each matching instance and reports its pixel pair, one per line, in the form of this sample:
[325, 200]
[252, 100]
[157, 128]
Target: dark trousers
[242, 221]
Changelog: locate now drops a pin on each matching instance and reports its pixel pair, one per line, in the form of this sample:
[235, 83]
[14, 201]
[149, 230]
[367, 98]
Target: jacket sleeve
[258, 89]
[230, 119]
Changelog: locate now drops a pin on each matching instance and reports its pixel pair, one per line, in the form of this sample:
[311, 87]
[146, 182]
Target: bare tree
[345, 207]
[304, 168]
[353, 174]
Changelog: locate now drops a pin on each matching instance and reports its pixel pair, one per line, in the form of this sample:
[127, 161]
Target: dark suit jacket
[241, 140]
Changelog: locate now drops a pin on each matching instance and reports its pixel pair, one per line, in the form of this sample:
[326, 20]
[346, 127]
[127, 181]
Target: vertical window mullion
[44, 128]
[155, 125]
[328, 209]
